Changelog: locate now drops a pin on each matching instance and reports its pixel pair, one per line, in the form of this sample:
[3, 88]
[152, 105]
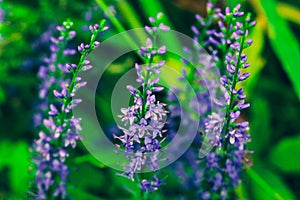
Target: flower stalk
[59, 130]
[143, 130]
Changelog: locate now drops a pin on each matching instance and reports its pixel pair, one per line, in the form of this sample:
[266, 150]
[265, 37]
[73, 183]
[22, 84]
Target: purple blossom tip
[195, 30]
[152, 20]
[53, 110]
[227, 10]
[159, 15]
[244, 76]
[96, 44]
[158, 89]
[80, 47]
[72, 34]
[149, 43]
[105, 28]
[148, 29]
[209, 5]
[60, 28]
[162, 50]
[163, 27]
[198, 17]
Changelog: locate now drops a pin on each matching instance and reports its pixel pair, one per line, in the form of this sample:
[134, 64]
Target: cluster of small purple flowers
[143, 129]
[224, 165]
[59, 130]
[221, 170]
[54, 67]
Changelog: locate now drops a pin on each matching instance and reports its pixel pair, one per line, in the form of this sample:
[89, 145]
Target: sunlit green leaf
[267, 185]
[286, 155]
[15, 156]
[260, 125]
[289, 12]
[88, 159]
[284, 43]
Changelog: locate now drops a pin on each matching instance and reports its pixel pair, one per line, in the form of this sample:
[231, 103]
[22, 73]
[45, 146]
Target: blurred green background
[273, 90]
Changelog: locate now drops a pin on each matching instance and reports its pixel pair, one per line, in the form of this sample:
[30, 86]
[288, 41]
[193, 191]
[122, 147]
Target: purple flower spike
[58, 129]
[224, 164]
[144, 121]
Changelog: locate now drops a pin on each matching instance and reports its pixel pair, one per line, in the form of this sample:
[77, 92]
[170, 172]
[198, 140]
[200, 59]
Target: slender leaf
[284, 43]
[286, 155]
[268, 185]
[260, 125]
[289, 12]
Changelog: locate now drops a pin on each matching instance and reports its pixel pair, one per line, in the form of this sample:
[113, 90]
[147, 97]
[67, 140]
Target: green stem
[75, 73]
[232, 97]
[145, 88]
[147, 77]
[71, 87]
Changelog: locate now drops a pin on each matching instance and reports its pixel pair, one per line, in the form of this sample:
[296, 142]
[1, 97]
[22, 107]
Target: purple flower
[153, 185]
[59, 131]
[144, 121]
[222, 167]
[234, 135]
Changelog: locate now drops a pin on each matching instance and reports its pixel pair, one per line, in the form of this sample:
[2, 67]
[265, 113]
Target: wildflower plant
[220, 170]
[59, 130]
[144, 121]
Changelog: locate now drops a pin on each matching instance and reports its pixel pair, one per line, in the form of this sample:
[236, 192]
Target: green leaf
[241, 192]
[88, 159]
[129, 13]
[131, 187]
[286, 155]
[284, 43]
[93, 179]
[5, 147]
[16, 157]
[260, 125]
[2, 96]
[81, 194]
[267, 185]
[19, 176]
[289, 12]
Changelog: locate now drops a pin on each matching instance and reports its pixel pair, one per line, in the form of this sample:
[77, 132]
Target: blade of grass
[282, 40]
[263, 184]
[131, 17]
[129, 14]
[117, 24]
[268, 185]
[289, 12]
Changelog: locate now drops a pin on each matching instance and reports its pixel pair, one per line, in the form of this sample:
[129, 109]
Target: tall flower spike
[231, 41]
[144, 121]
[221, 169]
[54, 67]
[60, 130]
